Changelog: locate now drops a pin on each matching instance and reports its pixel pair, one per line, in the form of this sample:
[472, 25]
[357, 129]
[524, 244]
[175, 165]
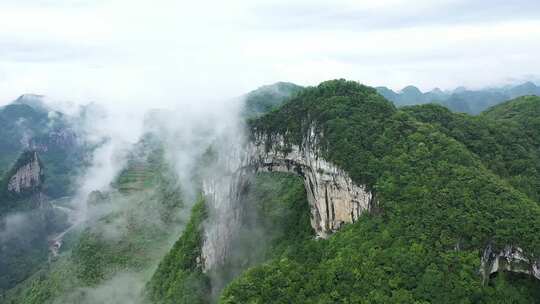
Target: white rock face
[333, 197]
[510, 259]
[223, 222]
[222, 187]
[26, 177]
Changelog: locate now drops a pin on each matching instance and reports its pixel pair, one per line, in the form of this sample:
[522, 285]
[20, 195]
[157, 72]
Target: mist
[111, 134]
[186, 133]
[142, 54]
[122, 70]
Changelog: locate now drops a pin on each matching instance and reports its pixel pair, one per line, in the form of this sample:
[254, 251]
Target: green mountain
[337, 196]
[506, 137]
[28, 219]
[124, 235]
[42, 153]
[439, 211]
[27, 124]
[460, 99]
[268, 97]
[278, 221]
[439, 208]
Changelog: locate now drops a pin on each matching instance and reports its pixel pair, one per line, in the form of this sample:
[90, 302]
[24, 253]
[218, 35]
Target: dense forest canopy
[448, 187]
[441, 207]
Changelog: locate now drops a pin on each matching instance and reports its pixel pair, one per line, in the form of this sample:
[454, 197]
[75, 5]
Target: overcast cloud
[162, 53]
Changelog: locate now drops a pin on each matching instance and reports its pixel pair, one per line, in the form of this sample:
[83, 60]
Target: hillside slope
[276, 220]
[523, 111]
[42, 153]
[27, 124]
[126, 232]
[440, 210]
[505, 137]
[268, 97]
[452, 213]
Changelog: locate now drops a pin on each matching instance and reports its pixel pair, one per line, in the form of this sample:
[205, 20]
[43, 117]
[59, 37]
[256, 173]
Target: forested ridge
[447, 186]
[440, 206]
[506, 137]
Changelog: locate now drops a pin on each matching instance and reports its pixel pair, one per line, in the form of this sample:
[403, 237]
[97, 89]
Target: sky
[165, 53]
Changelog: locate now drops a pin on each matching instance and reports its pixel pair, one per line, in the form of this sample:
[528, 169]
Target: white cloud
[151, 54]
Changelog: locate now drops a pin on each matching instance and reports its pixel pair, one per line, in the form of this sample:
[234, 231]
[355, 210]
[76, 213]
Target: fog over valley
[269, 152]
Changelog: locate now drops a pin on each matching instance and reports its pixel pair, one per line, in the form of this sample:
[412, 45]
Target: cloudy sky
[159, 52]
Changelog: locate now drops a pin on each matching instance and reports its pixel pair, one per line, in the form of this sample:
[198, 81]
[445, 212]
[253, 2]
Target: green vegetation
[276, 220]
[352, 118]
[506, 138]
[179, 277]
[11, 201]
[266, 98]
[440, 207]
[18, 121]
[277, 205]
[28, 218]
[127, 231]
[24, 228]
[448, 185]
[524, 112]
[26, 127]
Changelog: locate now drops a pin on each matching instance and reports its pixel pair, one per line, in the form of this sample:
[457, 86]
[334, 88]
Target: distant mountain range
[460, 99]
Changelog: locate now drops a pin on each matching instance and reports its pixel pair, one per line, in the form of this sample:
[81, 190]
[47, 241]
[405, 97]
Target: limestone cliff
[334, 198]
[28, 174]
[511, 259]
[222, 187]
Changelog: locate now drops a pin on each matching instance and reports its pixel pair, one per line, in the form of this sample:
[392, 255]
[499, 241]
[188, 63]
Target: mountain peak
[32, 100]
[411, 90]
[527, 85]
[437, 91]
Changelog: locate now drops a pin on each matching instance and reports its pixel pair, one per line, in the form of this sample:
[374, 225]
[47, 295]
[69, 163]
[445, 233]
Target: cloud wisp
[136, 53]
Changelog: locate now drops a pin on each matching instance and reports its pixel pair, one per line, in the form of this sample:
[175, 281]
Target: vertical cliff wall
[223, 183]
[28, 174]
[334, 198]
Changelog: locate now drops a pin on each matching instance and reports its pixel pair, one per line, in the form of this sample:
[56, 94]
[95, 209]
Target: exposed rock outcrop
[223, 187]
[511, 259]
[28, 176]
[333, 197]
